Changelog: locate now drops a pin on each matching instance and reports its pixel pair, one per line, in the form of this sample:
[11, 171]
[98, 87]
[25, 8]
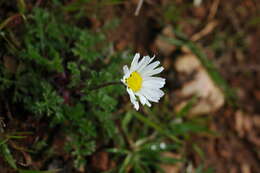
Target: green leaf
[199, 151]
[126, 120]
[21, 6]
[6, 154]
[157, 127]
[187, 127]
[185, 110]
[118, 151]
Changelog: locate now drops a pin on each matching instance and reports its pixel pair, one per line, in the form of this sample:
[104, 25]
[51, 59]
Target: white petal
[153, 72]
[152, 59]
[148, 103]
[153, 84]
[148, 96]
[150, 67]
[143, 99]
[151, 78]
[136, 106]
[143, 63]
[151, 94]
[134, 62]
[157, 93]
[125, 69]
[133, 98]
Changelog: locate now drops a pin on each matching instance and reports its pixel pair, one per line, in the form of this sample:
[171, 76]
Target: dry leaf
[210, 96]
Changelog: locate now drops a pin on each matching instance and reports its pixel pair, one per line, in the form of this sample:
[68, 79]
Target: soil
[236, 148]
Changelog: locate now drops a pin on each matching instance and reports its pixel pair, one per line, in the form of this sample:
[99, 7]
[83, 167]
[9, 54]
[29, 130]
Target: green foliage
[55, 75]
[48, 103]
[4, 151]
[81, 132]
[75, 74]
[84, 47]
[76, 5]
[142, 150]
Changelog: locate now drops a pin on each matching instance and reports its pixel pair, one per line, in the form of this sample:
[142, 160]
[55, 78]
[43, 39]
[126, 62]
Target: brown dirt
[236, 147]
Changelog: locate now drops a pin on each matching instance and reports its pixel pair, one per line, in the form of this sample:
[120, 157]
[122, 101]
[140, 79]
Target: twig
[138, 8]
[205, 31]
[7, 21]
[213, 10]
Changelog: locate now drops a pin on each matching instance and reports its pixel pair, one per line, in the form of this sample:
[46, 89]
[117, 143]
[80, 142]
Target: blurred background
[54, 53]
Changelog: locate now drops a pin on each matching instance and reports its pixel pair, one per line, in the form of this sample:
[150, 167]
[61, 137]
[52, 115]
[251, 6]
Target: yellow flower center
[134, 81]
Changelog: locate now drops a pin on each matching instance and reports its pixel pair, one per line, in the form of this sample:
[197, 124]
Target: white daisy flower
[140, 82]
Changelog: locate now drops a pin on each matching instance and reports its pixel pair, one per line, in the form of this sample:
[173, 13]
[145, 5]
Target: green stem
[105, 85]
[157, 127]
